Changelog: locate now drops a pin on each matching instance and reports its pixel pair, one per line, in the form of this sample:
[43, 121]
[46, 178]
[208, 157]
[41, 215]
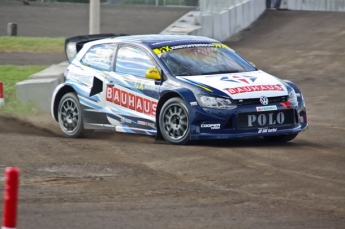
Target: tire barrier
[11, 198]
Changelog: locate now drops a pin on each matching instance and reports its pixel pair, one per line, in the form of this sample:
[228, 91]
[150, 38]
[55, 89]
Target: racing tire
[174, 122]
[280, 138]
[70, 117]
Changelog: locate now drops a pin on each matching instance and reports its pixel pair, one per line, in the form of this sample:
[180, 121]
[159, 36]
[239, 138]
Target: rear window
[100, 57]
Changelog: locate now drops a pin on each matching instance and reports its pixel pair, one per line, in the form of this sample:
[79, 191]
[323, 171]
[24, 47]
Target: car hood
[242, 85]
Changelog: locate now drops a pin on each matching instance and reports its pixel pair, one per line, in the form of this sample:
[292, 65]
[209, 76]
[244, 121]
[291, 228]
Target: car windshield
[204, 61]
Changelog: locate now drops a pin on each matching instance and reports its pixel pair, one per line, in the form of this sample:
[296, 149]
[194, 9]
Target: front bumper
[227, 124]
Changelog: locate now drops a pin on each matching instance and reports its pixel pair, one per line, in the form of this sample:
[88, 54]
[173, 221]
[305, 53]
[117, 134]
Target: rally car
[174, 87]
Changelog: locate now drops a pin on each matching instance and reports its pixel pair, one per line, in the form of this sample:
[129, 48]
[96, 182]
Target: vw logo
[263, 100]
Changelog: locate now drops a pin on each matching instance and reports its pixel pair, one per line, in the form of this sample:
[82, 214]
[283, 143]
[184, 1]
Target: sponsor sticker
[237, 90]
[124, 120]
[194, 103]
[211, 126]
[145, 123]
[267, 130]
[266, 119]
[170, 48]
[143, 85]
[131, 100]
[267, 108]
[239, 79]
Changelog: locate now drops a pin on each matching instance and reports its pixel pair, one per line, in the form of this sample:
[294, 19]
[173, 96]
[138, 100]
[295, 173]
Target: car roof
[157, 40]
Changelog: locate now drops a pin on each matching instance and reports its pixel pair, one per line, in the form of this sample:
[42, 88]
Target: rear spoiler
[74, 44]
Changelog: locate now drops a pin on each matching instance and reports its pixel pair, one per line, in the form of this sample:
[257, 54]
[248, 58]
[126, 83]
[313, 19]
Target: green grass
[9, 76]
[31, 44]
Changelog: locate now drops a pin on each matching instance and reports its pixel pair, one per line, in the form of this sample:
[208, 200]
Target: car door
[88, 77]
[131, 96]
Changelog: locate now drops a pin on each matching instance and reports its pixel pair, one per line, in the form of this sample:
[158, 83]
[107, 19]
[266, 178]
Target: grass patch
[9, 76]
[31, 44]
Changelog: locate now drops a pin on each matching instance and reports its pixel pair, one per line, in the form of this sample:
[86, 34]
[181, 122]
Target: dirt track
[127, 181]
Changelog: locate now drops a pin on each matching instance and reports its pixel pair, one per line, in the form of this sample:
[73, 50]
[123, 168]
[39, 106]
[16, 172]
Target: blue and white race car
[176, 87]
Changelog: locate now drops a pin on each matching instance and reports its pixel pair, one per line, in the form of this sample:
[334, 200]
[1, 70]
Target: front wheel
[280, 138]
[174, 122]
[70, 116]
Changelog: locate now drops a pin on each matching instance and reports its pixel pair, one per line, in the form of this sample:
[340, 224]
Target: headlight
[216, 102]
[292, 99]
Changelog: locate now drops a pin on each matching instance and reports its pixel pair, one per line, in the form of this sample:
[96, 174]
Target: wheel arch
[161, 102]
[58, 95]
[185, 94]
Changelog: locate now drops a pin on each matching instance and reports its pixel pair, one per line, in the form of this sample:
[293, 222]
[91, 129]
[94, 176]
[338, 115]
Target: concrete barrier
[37, 91]
[316, 5]
[40, 86]
[220, 25]
[55, 71]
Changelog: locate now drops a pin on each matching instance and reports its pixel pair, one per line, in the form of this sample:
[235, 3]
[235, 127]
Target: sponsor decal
[141, 85]
[153, 71]
[267, 130]
[211, 126]
[125, 120]
[266, 108]
[194, 103]
[170, 48]
[131, 100]
[219, 45]
[78, 76]
[145, 123]
[266, 119]
[244, 89]
[239, 79]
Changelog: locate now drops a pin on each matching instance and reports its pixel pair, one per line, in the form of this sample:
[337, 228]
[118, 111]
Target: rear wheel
[70, 117]
[280, 138]
[174, 122]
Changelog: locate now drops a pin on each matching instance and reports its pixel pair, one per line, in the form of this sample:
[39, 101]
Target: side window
[133, 61]
[100, 57]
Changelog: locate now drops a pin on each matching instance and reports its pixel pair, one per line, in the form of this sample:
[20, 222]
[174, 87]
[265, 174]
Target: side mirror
[153, 73]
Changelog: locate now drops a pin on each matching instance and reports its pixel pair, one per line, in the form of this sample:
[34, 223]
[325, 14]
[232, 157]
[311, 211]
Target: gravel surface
[126, 181]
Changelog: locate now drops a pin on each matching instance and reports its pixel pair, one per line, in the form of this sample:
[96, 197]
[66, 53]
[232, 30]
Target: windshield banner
[171, 48]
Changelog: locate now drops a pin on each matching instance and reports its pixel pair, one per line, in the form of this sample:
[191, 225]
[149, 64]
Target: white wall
[316, 5]
[230, 21]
